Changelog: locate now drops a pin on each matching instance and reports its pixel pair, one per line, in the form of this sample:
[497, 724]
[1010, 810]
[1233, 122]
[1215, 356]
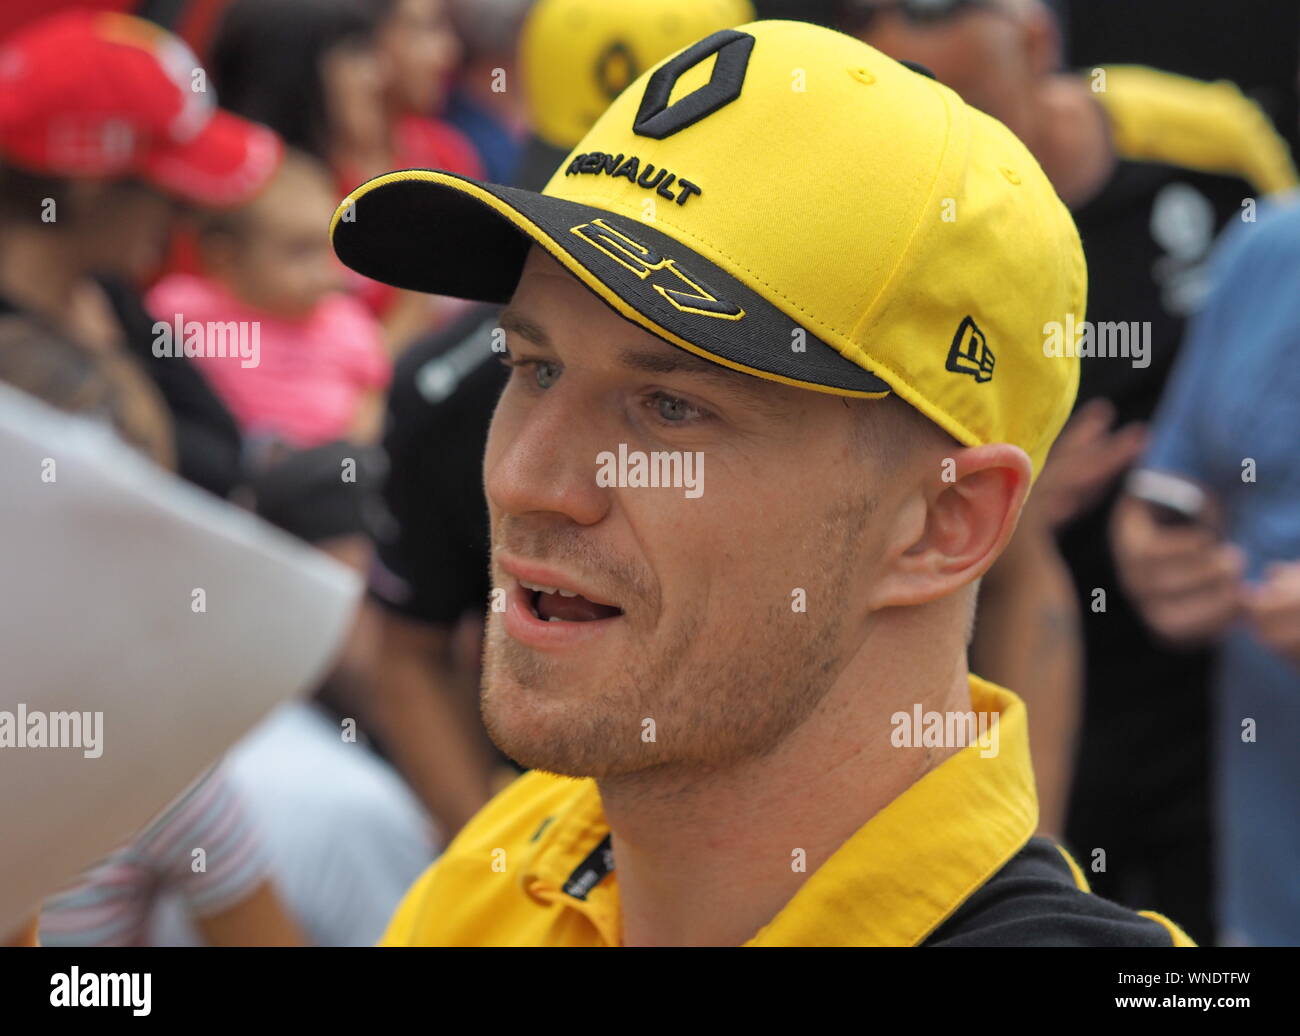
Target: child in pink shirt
[294, 358]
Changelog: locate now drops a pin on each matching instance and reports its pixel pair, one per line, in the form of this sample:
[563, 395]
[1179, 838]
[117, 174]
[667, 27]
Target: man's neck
[710, 861]
[1073, 142]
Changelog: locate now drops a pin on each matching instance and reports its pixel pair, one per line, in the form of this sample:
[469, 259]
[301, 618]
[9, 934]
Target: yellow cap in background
[576, 56]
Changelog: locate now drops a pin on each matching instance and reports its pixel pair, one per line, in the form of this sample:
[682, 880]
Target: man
[771, 416]
[431, 579]
[1152, 166]
[1229, 570]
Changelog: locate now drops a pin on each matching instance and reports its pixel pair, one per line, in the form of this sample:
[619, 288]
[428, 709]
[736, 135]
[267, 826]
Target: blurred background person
[486, 103]
[343, 833]
[1152, 166]
[1208, 543]
[419, 52]
[320, 368]
[357, 84]
[228, 894]
[431, 574]
[308, 69]
[101, 128]
[37, 359]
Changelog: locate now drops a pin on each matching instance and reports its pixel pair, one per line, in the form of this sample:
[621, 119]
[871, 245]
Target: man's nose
[548, 463]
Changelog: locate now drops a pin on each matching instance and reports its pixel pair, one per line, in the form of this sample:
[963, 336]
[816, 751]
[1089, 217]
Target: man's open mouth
[558, 604]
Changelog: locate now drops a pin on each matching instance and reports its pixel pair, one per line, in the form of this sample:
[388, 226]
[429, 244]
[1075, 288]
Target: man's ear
[954, 525]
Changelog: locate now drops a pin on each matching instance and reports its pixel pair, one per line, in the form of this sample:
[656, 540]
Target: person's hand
[1085, 460]
[1186, 582]
[1273, 610]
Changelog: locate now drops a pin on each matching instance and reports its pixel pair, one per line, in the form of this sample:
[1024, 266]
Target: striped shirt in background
[111, 904]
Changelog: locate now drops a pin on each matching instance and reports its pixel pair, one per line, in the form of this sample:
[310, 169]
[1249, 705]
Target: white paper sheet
[98, 614]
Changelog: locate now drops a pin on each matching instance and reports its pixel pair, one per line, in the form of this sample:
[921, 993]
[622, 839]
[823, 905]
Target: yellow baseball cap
[576, 56]
[786, 201]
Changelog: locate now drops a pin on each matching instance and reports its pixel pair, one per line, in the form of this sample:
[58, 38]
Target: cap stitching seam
[877, 309]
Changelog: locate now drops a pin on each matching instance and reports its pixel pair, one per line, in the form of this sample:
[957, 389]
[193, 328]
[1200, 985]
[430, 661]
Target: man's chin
[568, 736]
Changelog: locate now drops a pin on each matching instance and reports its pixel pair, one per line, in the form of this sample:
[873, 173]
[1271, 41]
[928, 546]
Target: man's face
[981, 52]
[717, 621]
[422, 49]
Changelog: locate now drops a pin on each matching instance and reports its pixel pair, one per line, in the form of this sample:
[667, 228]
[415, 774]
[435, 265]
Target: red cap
[91, 93]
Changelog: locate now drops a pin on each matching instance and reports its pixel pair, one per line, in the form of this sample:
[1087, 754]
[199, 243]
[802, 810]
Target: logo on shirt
[587, 875]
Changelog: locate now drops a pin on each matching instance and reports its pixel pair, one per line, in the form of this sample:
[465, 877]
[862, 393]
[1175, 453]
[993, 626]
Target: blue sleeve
[1174, 444]
[1242, 272]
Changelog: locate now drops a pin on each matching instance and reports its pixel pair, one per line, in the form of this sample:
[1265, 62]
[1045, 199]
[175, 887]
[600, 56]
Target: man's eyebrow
[513, 320]
[751, 390]
[676, 361]
[682, 362]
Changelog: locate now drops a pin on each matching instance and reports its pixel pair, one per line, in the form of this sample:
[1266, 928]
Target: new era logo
[970, 353]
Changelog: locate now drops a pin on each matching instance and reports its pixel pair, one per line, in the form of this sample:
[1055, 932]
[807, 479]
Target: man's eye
[672, 410]
[544, 373]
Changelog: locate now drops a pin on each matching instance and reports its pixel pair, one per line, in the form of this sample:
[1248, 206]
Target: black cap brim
[440, 233]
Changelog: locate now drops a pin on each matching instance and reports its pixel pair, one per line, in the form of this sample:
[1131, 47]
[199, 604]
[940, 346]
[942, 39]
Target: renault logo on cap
[657, 119]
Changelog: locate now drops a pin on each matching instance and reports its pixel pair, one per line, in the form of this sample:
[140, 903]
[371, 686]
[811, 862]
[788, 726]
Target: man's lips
[552, 580]
[566, 606]
[569, 612]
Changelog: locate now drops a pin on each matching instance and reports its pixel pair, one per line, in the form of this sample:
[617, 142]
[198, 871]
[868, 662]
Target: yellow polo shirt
[533, 867]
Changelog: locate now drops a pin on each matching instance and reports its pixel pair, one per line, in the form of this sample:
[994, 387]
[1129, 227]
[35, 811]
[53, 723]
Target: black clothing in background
[444, 390]
[208, 444]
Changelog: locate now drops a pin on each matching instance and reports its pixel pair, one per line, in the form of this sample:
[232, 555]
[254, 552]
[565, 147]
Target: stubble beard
[718, 696]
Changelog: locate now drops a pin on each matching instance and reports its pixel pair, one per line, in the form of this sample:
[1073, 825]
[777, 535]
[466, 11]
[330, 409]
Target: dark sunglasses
[858, 16]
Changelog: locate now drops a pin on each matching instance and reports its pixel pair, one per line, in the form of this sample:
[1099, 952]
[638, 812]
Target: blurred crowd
[168, 173]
